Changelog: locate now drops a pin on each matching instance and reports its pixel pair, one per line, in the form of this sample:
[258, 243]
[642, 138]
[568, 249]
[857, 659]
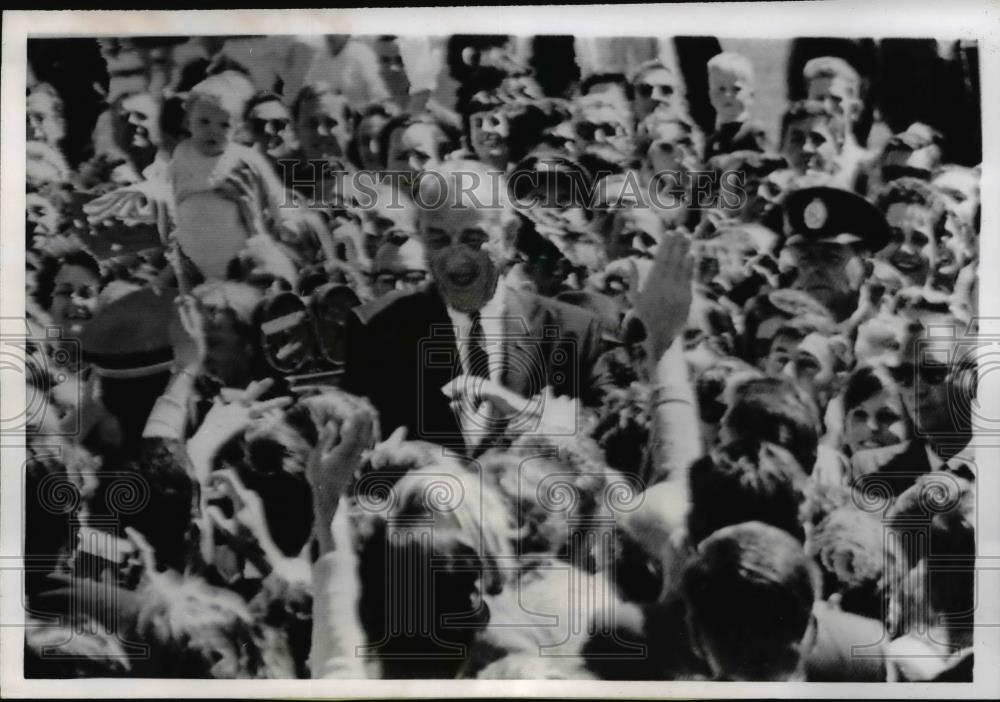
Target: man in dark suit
[937, 379]
[404, 348]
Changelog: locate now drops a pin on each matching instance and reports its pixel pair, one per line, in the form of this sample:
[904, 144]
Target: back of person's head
[556, 500]
[196, 630]
[933, 551]
[78, 649]
[911, 191]
[749, 592]
[775, 409]
[746, 480]
[848, 546]
[432, 558]
[162, 508]
[713, 383]
[777, 305]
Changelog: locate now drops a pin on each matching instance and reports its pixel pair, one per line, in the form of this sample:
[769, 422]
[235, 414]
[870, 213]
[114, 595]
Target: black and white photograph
[562, 351]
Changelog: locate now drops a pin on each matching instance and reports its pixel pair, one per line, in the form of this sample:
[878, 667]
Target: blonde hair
[832, 67]
[732, 63]
[230, 90]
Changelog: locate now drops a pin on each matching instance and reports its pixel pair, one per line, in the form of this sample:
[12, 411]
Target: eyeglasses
[645, 90]
[277, 124]
[412, 277]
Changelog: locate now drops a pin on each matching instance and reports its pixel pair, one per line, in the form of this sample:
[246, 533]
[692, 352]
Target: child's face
[211, 126]
[731, 95]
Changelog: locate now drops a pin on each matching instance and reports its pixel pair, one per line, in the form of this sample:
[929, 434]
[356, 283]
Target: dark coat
[401, 351]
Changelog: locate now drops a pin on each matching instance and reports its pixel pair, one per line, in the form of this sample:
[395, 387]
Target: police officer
[830, 234]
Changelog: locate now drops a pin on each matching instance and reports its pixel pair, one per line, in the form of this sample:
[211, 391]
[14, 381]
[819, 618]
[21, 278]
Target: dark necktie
[479, 359]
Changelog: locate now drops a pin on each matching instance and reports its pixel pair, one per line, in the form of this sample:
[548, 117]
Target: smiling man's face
[463, 249]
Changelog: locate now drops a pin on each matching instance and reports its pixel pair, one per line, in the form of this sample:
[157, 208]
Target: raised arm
[663, 305]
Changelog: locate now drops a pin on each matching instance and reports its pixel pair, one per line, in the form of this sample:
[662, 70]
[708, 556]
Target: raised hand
[243, 188]
[190, 347]
[664, 302]
[247, 530]
[226, 419]
[345, 438]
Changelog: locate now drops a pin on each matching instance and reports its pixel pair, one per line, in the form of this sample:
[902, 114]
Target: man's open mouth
[906, 264]
[462, 279]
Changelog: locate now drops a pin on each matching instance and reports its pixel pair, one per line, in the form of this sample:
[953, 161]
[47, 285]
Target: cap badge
[815, 214]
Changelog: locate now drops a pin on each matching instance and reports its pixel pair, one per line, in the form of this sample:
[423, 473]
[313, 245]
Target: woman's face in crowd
[913, 250]
[369, 150]
[323, 127]
[489, 132]
[211, 126]
[730, 95]
[74, 299]
[271, 129]
[878, 421]
[810, 146]
[141, 116]
[43, 122]
[635, 231]
[41, 216]
[414, 149]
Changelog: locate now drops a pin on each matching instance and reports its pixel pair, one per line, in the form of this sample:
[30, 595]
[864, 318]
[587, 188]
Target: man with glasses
[406, 349]
[656, 89]
[398, 267]
[270, 124]
[936, 372]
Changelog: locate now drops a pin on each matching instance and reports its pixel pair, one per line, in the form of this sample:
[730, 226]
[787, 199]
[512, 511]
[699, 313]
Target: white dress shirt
[491, 318]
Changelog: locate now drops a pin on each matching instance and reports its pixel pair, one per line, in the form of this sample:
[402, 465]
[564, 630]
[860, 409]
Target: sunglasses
[646, 90]
[393, 277]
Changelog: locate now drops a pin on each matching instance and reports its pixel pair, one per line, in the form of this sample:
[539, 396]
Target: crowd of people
[332, 376]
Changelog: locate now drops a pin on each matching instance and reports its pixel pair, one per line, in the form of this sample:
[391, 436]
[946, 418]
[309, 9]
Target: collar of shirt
[491, 318]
